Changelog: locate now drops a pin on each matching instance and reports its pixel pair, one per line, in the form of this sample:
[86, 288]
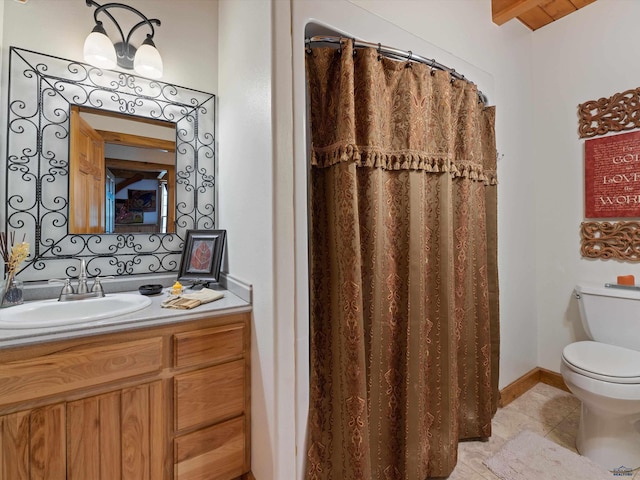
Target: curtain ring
[340, 46]
[379, 51]
[432, 66]
[308, 43]
[409, 55]
[452, 72]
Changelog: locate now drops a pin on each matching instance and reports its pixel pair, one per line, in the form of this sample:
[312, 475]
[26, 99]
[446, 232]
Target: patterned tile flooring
[543, 409]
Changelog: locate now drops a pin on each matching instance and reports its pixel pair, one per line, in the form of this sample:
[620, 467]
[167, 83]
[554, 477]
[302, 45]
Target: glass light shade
[99, 51]
[148, 62]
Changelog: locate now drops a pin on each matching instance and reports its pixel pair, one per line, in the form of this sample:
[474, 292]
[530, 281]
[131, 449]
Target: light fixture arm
[128, 49]
[138, 25]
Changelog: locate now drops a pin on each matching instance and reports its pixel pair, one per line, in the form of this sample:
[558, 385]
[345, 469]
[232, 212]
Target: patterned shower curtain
[403, 269]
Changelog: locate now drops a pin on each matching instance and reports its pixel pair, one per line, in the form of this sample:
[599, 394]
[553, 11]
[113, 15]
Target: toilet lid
[606, 362]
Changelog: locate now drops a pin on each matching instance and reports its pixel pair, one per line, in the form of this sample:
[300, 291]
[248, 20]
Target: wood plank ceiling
[534, 14]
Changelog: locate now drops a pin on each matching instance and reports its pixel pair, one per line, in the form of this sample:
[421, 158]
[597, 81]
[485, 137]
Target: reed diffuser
[13, 254]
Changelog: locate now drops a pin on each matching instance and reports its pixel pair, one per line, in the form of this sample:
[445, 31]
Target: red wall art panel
[612, 176]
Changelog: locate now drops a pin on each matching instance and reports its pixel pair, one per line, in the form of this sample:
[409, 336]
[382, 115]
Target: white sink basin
[52, 313]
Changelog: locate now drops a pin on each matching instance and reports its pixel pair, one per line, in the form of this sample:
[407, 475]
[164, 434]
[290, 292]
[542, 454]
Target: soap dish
[153, 289]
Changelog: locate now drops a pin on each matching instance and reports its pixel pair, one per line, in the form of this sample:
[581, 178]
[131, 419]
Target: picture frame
[144, 200]
[124, 214]
[202, 256]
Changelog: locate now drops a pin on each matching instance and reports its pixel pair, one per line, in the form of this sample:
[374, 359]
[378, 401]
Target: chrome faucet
[68, 293]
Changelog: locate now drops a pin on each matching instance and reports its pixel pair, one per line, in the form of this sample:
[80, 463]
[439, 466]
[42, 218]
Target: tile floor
[544, 409]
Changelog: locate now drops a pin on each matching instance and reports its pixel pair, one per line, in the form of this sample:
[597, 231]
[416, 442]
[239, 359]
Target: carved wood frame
[617, 113]
[617, 240]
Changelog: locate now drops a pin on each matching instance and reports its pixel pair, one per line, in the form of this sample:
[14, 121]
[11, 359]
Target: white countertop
[151, 316]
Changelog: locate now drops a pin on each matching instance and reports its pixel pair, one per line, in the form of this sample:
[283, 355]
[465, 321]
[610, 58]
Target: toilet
[604, 373]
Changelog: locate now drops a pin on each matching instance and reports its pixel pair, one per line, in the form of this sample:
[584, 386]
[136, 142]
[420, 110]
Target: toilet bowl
[604, 374]
[609, 431]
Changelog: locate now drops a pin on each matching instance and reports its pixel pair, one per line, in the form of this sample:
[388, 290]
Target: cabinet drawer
[210, 345]
[78, 367]
[209, 395]
[213, 453]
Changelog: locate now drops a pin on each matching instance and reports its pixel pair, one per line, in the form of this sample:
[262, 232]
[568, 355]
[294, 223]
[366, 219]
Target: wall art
[612, 176]
[617, 113]
[611, 240]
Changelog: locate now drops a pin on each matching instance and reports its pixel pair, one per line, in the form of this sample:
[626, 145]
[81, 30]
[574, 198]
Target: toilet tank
[610, 315]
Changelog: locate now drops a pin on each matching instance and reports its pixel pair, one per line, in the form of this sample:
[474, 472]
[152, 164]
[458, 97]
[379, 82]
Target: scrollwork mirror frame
[42, 89]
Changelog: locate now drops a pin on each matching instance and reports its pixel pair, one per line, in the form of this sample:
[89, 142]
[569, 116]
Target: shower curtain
[403, 267]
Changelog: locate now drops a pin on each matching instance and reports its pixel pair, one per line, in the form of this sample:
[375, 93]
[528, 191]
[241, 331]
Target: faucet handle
[67, 288]
[97, 286]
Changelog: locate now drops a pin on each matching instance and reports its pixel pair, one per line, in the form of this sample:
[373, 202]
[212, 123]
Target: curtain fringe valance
[400, 160]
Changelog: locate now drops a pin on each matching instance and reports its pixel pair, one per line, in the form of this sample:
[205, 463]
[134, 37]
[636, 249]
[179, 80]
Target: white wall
[588, 55]
[246, 206]
[1, 31]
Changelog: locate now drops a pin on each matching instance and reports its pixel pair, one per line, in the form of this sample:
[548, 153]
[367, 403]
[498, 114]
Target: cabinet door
[210, 345]
[209, 395]
[33, 444]
[213, 453]
[118, 435]
[78, 368]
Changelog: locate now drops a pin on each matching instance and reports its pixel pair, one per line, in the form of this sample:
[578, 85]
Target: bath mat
[528, 456]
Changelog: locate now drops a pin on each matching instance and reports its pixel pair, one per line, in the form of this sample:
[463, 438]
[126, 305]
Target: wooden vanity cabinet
[211, 421]
[163, 403]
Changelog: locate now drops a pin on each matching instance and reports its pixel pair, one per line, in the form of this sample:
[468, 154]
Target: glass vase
[11, 293]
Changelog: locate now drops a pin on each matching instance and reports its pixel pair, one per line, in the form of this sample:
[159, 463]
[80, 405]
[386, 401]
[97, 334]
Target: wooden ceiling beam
[504, 10]
[581, 3]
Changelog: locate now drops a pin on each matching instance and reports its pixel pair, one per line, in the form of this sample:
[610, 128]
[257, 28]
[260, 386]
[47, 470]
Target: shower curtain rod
[395, 54]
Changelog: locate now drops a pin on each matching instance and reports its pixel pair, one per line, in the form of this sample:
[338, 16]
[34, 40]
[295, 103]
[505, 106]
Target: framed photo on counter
[202, 256]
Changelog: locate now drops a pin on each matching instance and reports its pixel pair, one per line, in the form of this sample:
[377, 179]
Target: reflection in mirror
[65, 219]
[121, 173]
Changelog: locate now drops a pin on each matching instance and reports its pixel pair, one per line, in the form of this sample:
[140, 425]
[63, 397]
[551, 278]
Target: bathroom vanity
[158, 395]
[153, 395]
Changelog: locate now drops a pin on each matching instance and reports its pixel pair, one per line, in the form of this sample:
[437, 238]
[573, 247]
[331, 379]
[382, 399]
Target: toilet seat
[602, 361]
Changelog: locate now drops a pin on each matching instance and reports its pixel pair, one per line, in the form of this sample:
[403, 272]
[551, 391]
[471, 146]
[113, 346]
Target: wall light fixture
[101, 52]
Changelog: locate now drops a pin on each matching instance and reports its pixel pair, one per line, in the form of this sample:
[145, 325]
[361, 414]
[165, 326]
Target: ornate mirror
[41, 175]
